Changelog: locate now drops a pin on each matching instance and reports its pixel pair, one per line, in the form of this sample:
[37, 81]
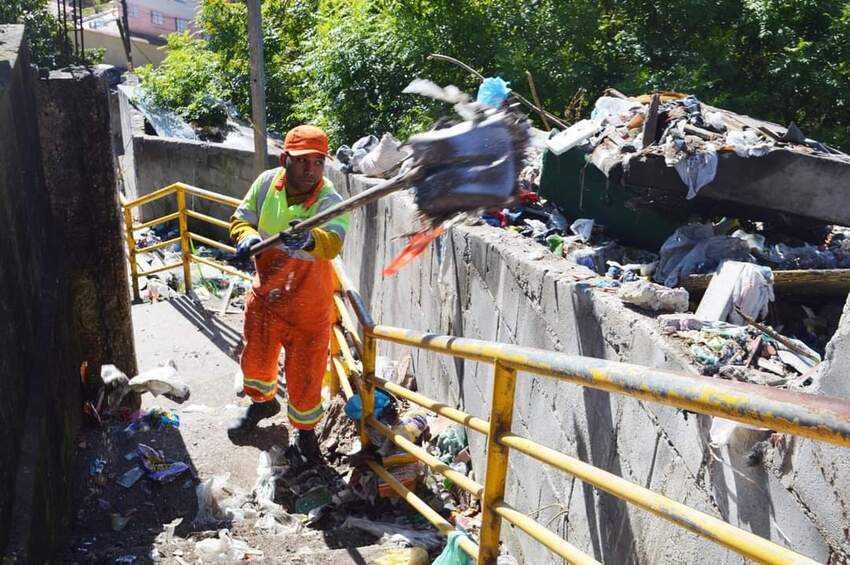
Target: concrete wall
[151, 162]
[58, 308]
[143, 51]
[485, 283]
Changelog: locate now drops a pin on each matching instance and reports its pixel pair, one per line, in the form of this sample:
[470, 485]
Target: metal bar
[348, 323]
[343, 378]
[548, 538]
[422, 507]
[211, 242]
[155, 195]
[453, 414]
[208, 219]
[166, 267]
[220, 266]
[343, 347]
[333, 353]
[372, 194]
[156, 246]
[501, 418]
[210, 195]
[461, 480]
[131, 252]
[161, 220]
[709, 527]
[185, 250]
[363, 316]
[818, 417]
[367, 389]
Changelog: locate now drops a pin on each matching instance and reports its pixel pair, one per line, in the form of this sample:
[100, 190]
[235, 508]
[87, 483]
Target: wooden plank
[815, 282]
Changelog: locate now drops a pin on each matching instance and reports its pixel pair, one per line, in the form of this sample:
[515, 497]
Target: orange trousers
[306, 355]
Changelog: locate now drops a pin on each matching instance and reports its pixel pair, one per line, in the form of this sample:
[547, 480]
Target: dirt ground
[205, 347]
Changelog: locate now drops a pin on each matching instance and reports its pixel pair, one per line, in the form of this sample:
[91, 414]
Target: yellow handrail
[182, 215]
[813, 416]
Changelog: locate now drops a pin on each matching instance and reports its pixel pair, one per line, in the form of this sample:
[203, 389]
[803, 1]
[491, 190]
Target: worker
[290, 301]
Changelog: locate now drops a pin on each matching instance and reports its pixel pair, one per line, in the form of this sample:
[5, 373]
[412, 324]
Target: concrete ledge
[485, 283]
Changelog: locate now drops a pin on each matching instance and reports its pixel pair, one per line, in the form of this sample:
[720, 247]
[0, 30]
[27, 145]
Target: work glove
[302, 241]
[244, 246]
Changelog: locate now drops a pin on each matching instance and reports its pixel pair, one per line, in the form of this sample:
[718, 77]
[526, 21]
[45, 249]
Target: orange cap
[303, 140]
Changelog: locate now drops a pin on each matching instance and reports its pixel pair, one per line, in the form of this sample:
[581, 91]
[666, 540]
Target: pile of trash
[749, 353]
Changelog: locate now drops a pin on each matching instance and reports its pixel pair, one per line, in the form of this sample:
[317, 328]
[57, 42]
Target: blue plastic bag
[493, 92]
[453, 554]
[354, 406]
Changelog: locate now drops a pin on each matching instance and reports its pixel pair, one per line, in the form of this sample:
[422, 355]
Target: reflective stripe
[262, 386]
[308, 417]
[265, 184]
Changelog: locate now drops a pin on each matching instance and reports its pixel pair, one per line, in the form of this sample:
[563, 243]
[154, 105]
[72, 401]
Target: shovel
[470, 166]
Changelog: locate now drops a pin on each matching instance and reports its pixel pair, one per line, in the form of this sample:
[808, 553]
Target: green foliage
[188, 81]
[49, 46]
[342, 64]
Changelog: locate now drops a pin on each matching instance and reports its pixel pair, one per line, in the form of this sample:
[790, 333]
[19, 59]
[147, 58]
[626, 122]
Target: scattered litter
[453, 554]
[314, 499]
[155, 419]
[131, 477]
[119, 522]
[195, 408]
[428, 539]
[354, 406]
[116, 384]
[651, 296]
[96, 467]
[155, 555]
[218, 501]
[168, 531]
[384, 158]
[202, 294]
[583, 228]
[158, 468]
[224, 548]
[126, 560]
[451, 442]
[161, 380]
[271, 525]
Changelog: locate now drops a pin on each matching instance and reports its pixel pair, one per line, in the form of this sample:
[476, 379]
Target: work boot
[250, 416]
[308, 445]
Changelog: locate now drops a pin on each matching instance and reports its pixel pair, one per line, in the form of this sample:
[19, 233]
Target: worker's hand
[302, 241]
[244, 246]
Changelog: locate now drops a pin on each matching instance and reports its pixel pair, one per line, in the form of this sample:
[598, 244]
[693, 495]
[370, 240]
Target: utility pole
[258, 85]
[124, 29]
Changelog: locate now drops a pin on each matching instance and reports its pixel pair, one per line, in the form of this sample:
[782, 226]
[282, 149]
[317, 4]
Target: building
[156, 18]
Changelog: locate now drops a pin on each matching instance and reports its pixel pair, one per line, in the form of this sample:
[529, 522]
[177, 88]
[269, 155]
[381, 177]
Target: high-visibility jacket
[297, 285]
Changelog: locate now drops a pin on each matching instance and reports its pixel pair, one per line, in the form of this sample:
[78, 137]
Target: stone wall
[64, 288]
[485, 283]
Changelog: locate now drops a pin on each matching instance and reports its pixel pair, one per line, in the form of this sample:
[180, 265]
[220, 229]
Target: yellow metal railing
[353, 351]
[186, 236]
[817, 417]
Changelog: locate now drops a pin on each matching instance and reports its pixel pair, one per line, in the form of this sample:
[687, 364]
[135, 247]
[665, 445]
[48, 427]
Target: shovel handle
[394, 184]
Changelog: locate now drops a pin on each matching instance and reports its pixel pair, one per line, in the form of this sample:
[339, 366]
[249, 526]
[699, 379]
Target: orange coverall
[290, 301]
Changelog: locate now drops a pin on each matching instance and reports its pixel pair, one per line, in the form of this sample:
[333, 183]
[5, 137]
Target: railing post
[501, 418]
[333, 352]
[131, 252]
[367, 386]
[185, 251]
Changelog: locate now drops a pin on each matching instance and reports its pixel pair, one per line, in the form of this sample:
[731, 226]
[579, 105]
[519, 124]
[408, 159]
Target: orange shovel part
[418, 244]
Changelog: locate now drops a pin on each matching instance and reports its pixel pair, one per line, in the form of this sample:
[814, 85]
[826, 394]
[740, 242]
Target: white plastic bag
[753, 293]
[383, 157]
[224, 549]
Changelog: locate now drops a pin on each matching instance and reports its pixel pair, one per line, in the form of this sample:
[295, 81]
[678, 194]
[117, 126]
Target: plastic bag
[453, 554]
[359, 150]
[161, 380]
[608, 106]
[402, 556]
[582, 227]
[429, 539]
[218, 501]
[694, 248]
[493, 92]
[383, 158]
[451, 442]
[697, 170]
[354, 406]
[224, 549]
[747, 143]
[654, 297]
